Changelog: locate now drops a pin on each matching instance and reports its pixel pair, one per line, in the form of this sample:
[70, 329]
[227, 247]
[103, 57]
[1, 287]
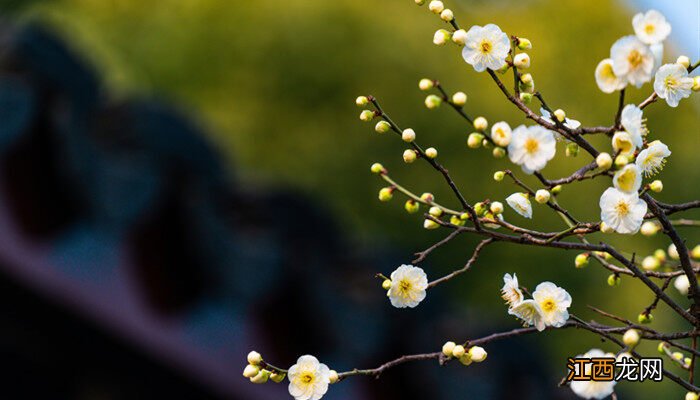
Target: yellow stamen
[531, 145]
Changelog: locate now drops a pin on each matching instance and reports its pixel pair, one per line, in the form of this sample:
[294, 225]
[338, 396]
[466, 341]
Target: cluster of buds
[256, 371]
[465, 356]
[678, 357]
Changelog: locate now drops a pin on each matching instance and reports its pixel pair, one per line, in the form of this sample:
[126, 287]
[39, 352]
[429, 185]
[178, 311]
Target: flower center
[634, 58]
[548, 305]
[485, 46]
[404, 287]
[649, 29]
[622, 209]
[670, 82]
[531, 145]
[307, 378]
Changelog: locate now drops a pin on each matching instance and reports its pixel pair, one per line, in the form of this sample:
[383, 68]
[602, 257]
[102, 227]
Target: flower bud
[604, 255]
[411, 206]
[478, 354]
[498, 152]
[386, 284]
[526, 97]
[466, 359]
[645, 318]
[604, 161]
[682, 284]
[254, 358]
[427, 197]
[692, 396]
[333, 376]
[430, 224]
[278, 377]
[650, 263]
[447, 15]
[480, 124]
[425, 84]
[656, 186]
[677, 355]
[419, 2]
[261, 377]
[441, 37]
[673, 252]
[366, 115]
[649, 228]
[385, 194]
[503, 69]
[696, 83]
[361, 101]
[660, 255]
[695, 252]
[605, 228]
[377, 168]
[498, 176]
[430, 152]
[382, 127]
[459, 37]
[432, 101]
[496, 207]
[526, 79]
[661, 348]
[631, 338]
[435, 211]
[447, 348]
[464, 216]
[522, 61]
[613, 280]
[409, 156]
[571, 150]
[480, 209]
[436, 6]
[408, 135]
[556, 190]
[474, 140]
[524, 44]
[581, 260]
[542, 196]
[560, 115]
[688, 361]
[458, 351]
[455, 220]
[250, 371]
[459, 98]
[621, 161]
[684, 61]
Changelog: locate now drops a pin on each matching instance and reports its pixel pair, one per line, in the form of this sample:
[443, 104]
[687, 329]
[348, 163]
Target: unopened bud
[425, 84]
[474, 140]
[455, 220]
[408, 135]
[604, 161]
[447, 348]
[695, 252]
[684, 61]
[526, 97]
[432, 101]
[250, 371]
[261, 377]
[458, 351]
[366, 115]
[692, 396]
[427, 197]
[436, 6]
[621, 161]
[650, 263]
[377, 168]
[656, 186]
[386, 194]
[459, 37]
[498, 176]
[644, 318]
[649, 228]
[386, 284]
[441, 37]
[542, 196]
[660, 255]
[498, 152]
[478, 354]
[411, 206]
[409, 156]
[459, 98]
[560, 115]
[430, 224]
[572, 150]
[631, 338]
[431, 152]
[435, 211]
[524, 44]
[254, 358]
[447, 15]
[581, 260]
[480, 124]
[382, 127]
[696, 83]
[605, 228]
[480, 209]
[613, 280]
[496, 207]
[557, 189]
[673, 252]
[278, 377]
[522, 61]
[361, 101]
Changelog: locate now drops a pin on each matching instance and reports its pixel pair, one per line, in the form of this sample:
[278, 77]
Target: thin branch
[466, 267]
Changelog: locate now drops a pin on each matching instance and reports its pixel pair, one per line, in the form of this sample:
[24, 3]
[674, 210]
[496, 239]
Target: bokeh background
[183, 181]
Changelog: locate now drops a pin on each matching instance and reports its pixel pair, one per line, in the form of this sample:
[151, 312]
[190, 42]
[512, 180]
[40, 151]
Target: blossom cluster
[548, 307]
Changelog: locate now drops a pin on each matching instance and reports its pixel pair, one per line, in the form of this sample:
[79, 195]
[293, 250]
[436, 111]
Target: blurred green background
[275, 82]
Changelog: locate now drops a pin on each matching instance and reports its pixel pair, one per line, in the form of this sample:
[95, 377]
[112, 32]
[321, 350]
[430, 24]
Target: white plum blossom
[628, 178]
[651, 27]
[486, 47]
[632, 119]
[652, 159]
[501, 133]
[408, 284]
[682, 284]
[622, 212]
[530, 313]
[531, 147]
[554, 302]
[511, 292]
[308, 378]
[623, 142]
[672, 83]
[521, 204]
[632, 60]
[590, 389]
[568, 122]
[606, 79]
